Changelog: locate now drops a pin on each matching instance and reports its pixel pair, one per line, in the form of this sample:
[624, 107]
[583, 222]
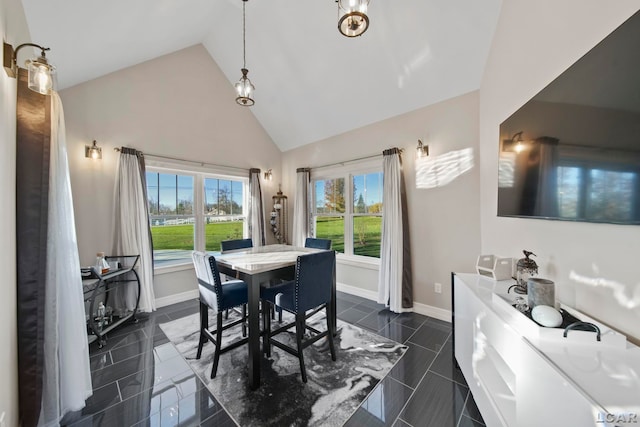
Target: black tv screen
[572, 152]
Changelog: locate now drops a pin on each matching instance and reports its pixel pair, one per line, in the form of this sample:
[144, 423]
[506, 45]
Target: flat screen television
[572, 152]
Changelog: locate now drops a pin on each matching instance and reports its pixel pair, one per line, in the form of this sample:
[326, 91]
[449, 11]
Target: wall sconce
[40, 71]
[268, 175]
[516, 143]
[422, 150]
[353, 17]
[93, 151]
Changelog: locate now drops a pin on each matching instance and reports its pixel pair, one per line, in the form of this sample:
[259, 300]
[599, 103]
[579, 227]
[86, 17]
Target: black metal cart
[101, 317]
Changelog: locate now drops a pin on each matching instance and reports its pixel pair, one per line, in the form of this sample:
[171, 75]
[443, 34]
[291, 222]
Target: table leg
[253, 288]
[334, 308]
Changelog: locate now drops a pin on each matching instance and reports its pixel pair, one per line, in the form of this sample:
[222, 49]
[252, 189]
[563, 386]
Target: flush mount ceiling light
[244, 87]
[353, 20]
[40, 71]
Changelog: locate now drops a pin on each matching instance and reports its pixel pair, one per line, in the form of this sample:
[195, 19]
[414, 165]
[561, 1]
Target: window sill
[172, 268]
[358, 261]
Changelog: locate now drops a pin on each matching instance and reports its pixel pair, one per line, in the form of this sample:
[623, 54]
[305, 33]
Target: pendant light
[353, 20]
[244, 87]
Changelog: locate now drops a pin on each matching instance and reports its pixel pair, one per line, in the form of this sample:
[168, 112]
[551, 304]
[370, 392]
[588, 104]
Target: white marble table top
[261, 258]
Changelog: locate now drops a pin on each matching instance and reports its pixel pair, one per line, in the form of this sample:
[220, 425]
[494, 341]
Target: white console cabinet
[522, 380]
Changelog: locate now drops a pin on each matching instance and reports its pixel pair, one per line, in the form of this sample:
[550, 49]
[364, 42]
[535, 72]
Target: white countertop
[609, 376]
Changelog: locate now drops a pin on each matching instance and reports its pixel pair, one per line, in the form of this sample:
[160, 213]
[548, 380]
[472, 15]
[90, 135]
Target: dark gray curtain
[32, 188]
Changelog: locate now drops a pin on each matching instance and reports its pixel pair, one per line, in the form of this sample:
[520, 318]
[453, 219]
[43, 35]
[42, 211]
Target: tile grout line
[464, 405]
[413, 392]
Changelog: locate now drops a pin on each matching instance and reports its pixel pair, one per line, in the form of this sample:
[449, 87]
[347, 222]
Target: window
[596, 194]
[350, 215]
[193, 210]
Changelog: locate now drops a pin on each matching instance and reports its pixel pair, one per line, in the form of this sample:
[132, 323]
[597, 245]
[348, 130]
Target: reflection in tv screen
[573, 151]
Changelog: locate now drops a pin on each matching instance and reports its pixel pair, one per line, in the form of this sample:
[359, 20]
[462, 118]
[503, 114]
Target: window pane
[167, 193]
[367, 232]
[331, 227]
[610, 195]
[217, 230]
[172, 238]
[367, 193]
[223, 197]
[330, 196]
[185, 195]
[170, 198]
[236, 197]
[152, 192]
[569, 183]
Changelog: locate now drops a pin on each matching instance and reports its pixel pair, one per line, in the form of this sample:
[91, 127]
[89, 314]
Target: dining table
[262, 266]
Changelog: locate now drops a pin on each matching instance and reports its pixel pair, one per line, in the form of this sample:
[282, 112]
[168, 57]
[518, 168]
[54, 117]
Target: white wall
[178, 105]
[533, 44]
[14, 31]
[444, 222]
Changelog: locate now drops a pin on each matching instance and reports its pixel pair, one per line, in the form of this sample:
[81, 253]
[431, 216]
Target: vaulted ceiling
[311, 82]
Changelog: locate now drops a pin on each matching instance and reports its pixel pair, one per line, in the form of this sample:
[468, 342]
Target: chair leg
[330, 332]
[216, 354]
[226, 314]
[266, 338]
[244, 321]
[204, 324]
[299, 333]
[279, 314]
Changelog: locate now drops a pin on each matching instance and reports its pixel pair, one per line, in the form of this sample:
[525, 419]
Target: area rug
[334, 389]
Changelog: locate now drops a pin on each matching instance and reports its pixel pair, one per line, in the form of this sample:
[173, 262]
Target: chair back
[209, 283]
[230, 245]
[312, 242]
[314, 279]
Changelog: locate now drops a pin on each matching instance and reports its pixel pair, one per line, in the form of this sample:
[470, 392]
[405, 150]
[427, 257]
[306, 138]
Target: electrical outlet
[438, 288]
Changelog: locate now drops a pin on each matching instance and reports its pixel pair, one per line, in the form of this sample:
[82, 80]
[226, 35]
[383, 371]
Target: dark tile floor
[139, 378]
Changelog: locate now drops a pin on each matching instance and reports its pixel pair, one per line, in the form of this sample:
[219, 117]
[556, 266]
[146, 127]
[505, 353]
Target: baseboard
[424, 309]
[359, 292]
[431, 311]
[175, 298]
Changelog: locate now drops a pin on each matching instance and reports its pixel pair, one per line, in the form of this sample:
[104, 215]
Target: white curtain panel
[131, 230]
[256, 211]
[393, 284]
[302, 208]
[67, 374]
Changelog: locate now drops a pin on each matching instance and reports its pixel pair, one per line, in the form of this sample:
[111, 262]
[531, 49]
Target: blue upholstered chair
[310, 290]
[218, 296]
[231, 245]
[312, 242]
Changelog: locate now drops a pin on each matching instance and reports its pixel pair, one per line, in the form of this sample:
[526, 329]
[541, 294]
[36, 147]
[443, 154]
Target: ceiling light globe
[245, 89]
[40, 77]
[353, 20]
